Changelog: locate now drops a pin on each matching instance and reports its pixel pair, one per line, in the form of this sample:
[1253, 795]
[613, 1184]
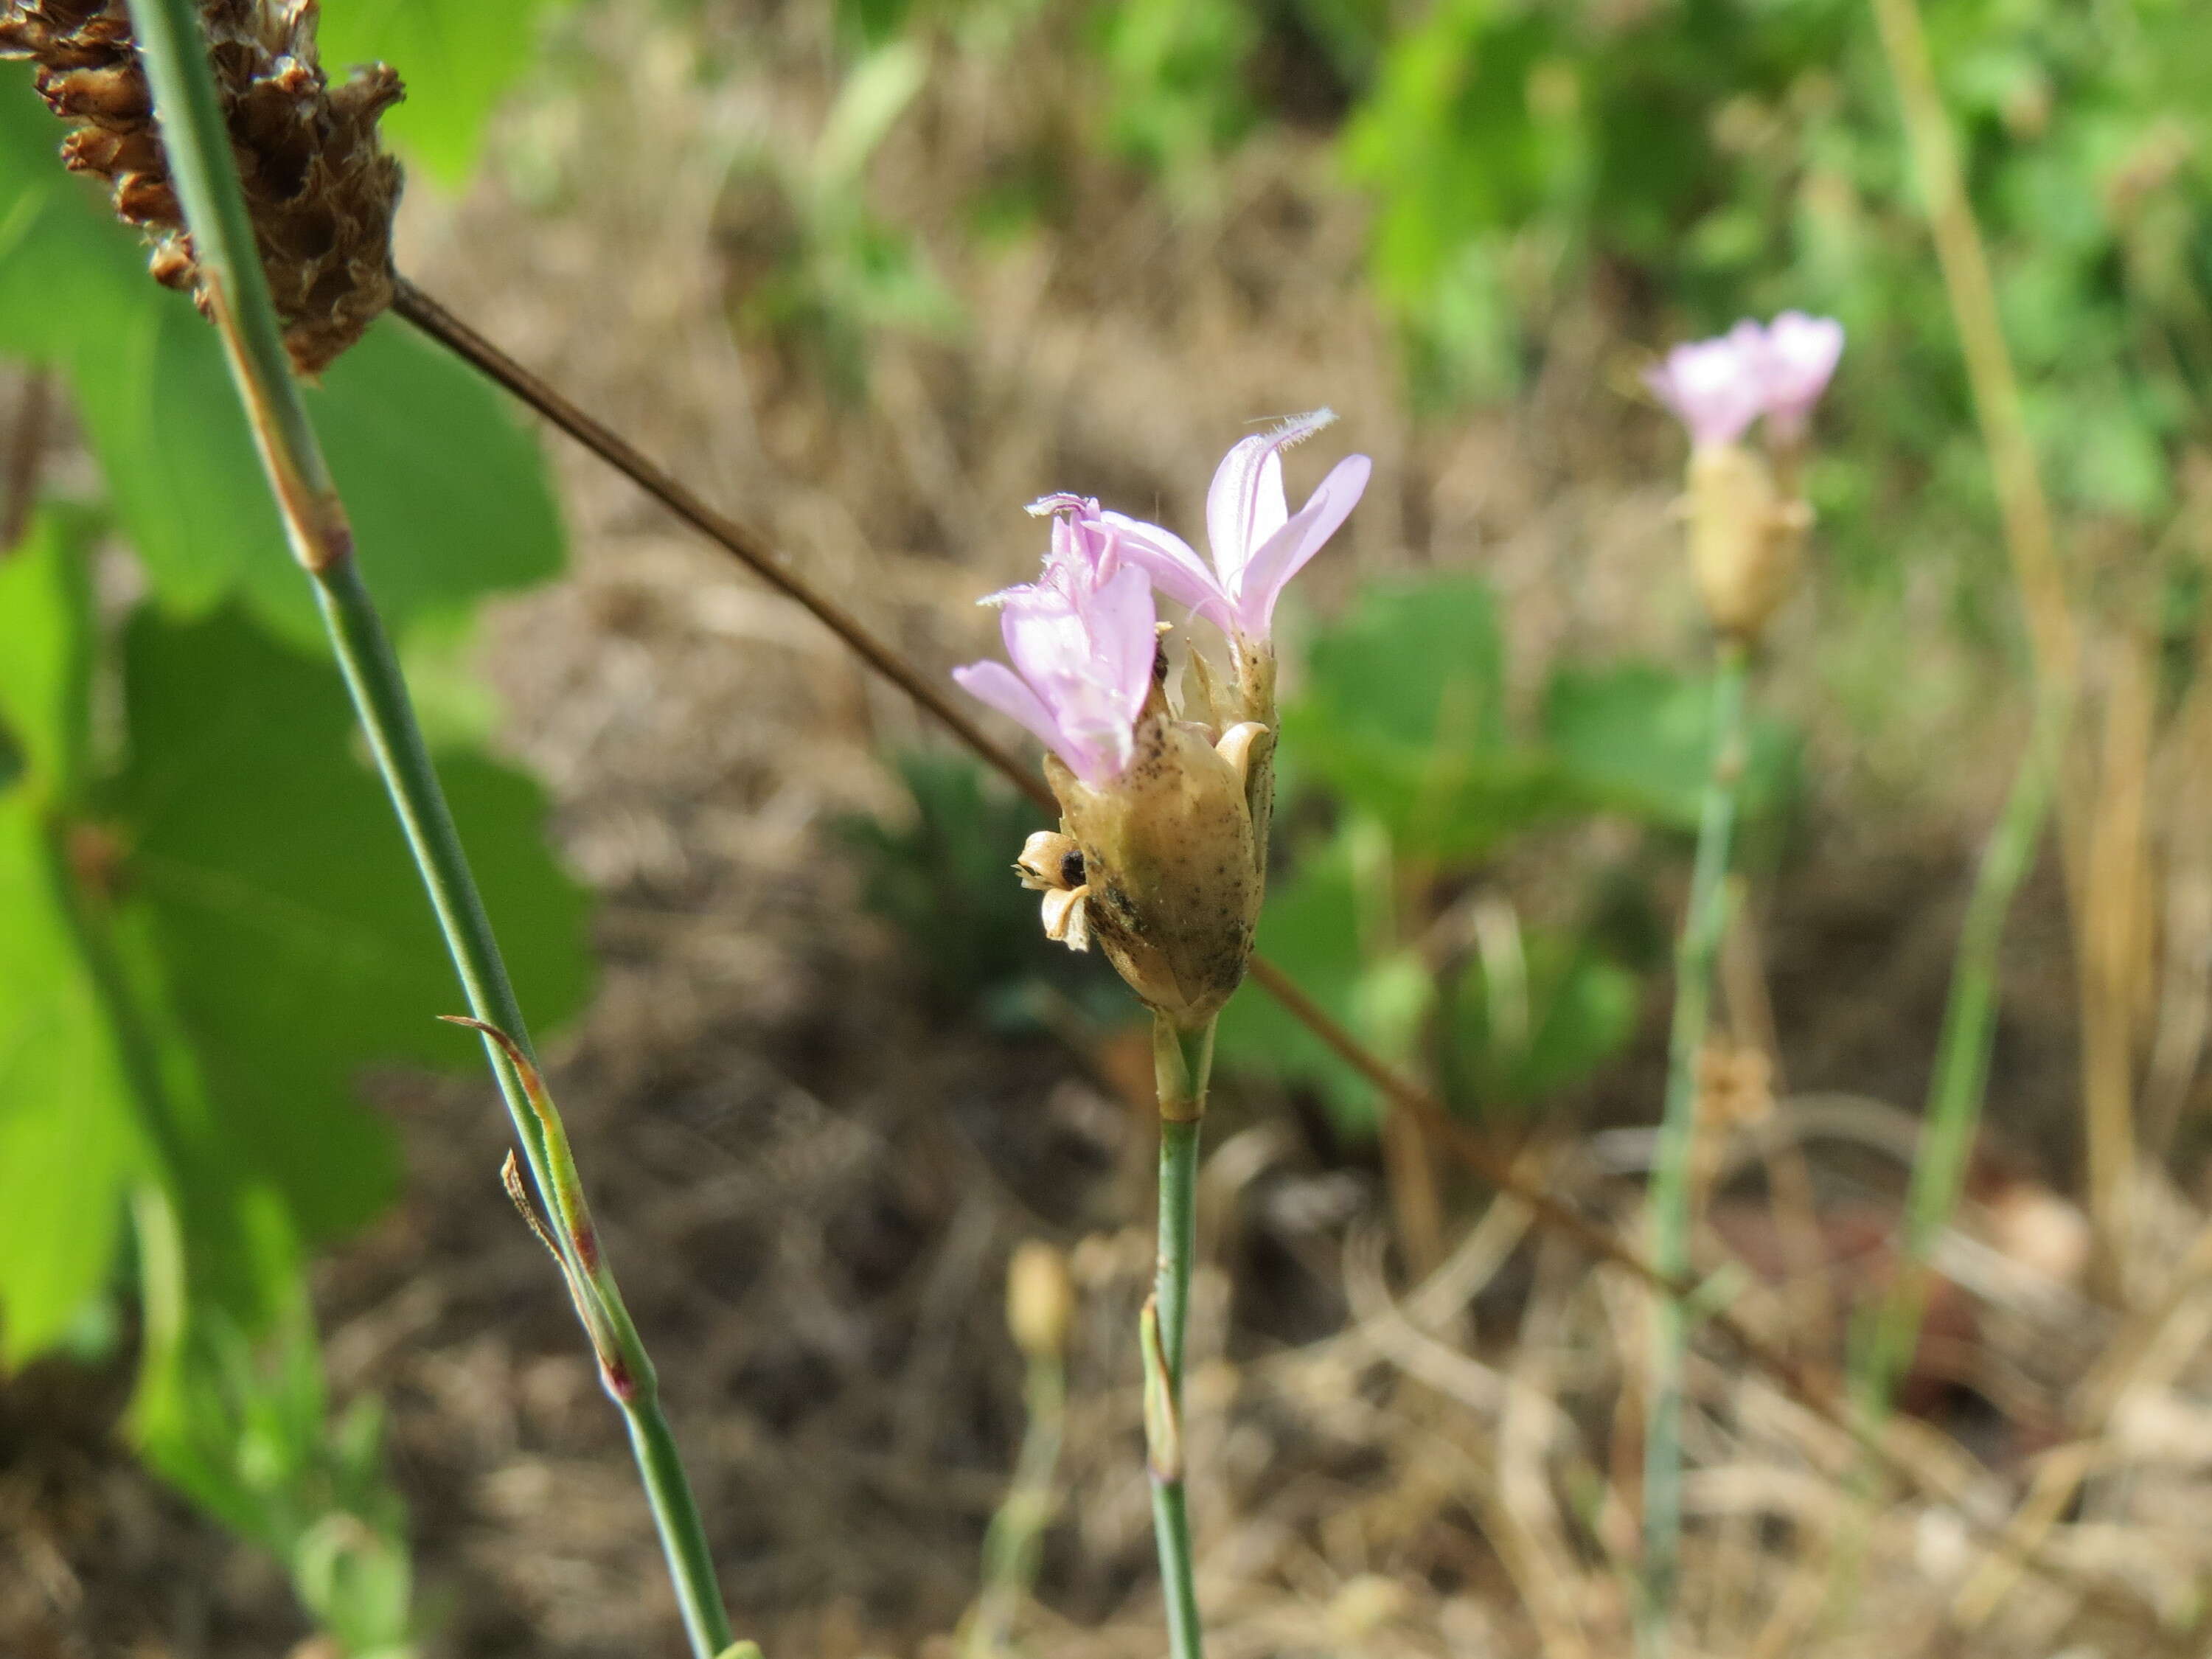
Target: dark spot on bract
[1071, 869]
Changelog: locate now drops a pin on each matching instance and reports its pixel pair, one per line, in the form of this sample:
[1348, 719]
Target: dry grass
[811, 1193]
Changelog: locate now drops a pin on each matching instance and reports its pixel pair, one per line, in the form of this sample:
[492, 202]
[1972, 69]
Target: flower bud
[1172, 876]
[1744, 537]
[1040, 1299]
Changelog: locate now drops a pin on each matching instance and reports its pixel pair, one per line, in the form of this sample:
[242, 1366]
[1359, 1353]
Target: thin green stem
[1671, 1198]
[1183, 1061]
[676, 1517]
[1013, 1545]
[1171, 1526]
[372, 674]
[197, 141]
[1960, 1080]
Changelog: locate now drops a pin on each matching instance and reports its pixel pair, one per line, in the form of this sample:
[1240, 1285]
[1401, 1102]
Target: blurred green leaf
[284, 916]
[206, 948]
[1637, 738]
[245, 1427]
[67, 1145]
[449, 496]
[448, 493]
[1174, 73]
[1312, 928]
[1565, 1011]
[873, 96]
[1403, 715]
[458, 58]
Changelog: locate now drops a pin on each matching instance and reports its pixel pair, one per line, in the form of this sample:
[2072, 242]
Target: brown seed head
[319, 188]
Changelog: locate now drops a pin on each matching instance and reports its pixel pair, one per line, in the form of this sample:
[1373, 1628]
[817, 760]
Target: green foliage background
[210, 928]
[213, 928]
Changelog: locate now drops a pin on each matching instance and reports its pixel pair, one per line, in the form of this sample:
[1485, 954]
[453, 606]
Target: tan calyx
[1170, 877]
[1745, 537]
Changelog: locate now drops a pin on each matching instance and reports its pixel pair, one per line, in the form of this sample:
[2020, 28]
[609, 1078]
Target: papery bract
[1258, 544]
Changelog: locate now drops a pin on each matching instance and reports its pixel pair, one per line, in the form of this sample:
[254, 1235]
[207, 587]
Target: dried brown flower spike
[320, 189]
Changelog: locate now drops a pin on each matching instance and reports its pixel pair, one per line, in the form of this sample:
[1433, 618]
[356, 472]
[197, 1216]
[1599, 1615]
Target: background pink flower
[1715, 387]
[1799, 353]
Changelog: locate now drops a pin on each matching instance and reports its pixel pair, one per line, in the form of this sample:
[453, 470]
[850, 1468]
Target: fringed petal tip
[1060, 501]
[1296, 429]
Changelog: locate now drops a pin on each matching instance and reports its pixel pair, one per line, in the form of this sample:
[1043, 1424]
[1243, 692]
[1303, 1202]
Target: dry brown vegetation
[811, 1192]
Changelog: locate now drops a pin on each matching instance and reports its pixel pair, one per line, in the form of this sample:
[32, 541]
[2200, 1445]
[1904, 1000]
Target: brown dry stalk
[1812, 1390]
[320, 189]
[747, 545]
[2113, 952]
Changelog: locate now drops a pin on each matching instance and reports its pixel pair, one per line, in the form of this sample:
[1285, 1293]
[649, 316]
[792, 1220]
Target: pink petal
[1285, 553]
[995, 683]
[1174, 564]
[1047, 642]
[1090, 661]
[1801, 356]
[1124, 629]
[1716, 387]
[1245, 505]
[1082, 553]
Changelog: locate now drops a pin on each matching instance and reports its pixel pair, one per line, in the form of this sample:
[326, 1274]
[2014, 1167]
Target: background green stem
[1961, 1082]
[1183, 1061]
[196, 139]
[1671, 1198]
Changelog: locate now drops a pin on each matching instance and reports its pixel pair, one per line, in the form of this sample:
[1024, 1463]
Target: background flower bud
[1040, 1299]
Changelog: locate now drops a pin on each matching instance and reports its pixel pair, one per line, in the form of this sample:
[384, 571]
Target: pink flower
[1800, 354]
[1085, 549]
[1716, 387]
[1082, 638]
[1719, 386]
[1258, 544]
